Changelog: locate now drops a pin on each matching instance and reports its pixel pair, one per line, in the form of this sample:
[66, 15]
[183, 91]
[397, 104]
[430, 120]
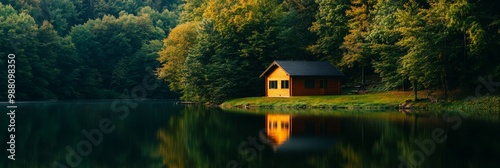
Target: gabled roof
[304, 68]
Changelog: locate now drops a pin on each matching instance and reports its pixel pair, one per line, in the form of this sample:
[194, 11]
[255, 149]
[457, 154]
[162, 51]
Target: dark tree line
[73, 49]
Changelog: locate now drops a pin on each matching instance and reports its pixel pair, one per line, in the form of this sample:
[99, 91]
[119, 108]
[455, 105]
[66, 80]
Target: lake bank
[371, 101]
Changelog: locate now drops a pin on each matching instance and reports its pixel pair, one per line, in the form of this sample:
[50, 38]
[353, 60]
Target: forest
[214, 50]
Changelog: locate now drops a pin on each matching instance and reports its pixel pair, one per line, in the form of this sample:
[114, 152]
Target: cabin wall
[299, 88]
[278, 74]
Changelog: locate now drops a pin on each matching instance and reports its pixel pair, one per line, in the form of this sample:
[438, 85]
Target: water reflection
[278, 128]
[162, 134]
[301, 133]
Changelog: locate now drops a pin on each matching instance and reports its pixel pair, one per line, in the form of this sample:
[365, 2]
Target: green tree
[382, 38]
[357, 50]
[174, 54]
[192, 10]
[239, 38]
[18, 32]
[416, 40]
[165, 20]
[147, 57]
[60, 13]
[106, 44]
[88, 51]
[438, 39]
[296, 24]
[45, 69]
[331, 28]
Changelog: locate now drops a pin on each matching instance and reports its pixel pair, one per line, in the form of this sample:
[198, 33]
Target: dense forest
[73, 49]
[214, 50]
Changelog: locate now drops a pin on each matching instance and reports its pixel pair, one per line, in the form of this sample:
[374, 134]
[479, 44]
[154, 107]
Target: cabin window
[323, 84]
[309, 84]
[273, 124]
[284, 84]
[273, 84]
[285, 125]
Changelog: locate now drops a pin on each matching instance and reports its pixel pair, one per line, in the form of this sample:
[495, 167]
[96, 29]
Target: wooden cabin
[301, 78]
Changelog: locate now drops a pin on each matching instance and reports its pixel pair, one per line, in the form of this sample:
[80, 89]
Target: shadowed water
[158, 133]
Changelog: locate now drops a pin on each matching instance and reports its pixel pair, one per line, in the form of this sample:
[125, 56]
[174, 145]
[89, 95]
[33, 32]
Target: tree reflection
[45, 129]
[203, 137]
[158, 134]
[174, 154]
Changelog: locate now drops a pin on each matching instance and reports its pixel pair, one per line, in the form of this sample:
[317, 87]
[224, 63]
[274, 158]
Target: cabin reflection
[301, 133]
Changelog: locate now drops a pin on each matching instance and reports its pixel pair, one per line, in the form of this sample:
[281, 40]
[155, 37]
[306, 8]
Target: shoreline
[391, 100]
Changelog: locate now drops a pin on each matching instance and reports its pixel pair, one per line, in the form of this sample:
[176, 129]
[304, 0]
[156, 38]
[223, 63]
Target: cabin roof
[304, 68]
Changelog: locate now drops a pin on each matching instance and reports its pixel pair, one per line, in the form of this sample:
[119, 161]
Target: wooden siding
[299, 88]
[278, 75]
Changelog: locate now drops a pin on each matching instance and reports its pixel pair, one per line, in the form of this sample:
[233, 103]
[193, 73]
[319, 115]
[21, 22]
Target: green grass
[370, 101]
[482, 105]
[364, 101]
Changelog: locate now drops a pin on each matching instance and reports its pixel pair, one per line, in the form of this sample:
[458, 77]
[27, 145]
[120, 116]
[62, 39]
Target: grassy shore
[371, 101]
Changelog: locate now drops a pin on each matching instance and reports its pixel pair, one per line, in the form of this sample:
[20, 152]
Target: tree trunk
[362, 75]
[415, 89]
[444, 83]
[404, 89]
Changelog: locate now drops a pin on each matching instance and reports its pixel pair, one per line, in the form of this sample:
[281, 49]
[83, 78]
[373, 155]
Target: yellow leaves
[353, 159]
[175, 51]
[173, 152]
[237, 13]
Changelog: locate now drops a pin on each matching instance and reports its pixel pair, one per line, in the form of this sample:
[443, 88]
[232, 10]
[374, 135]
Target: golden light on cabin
[278, 127]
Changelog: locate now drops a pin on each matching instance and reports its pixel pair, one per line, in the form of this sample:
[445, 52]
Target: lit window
[284, 84]
[284, 125]
[273, 84]
[273, 125]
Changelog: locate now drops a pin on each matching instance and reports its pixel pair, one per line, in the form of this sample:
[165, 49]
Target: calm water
[162, 134]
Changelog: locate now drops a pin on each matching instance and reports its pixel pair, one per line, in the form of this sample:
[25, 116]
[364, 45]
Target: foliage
[233, 38]
[174, 54]
[57, 57]
[355, 43]
[382, 38]
[331, 27]
[214, 50]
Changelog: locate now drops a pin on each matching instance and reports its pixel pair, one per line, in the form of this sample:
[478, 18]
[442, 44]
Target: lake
[159, 133]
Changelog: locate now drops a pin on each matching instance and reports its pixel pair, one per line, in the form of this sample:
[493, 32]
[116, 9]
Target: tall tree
[382, 38]
[105, 45]
[331, 27]
[355, 43]
[60, 13]
[437, 38]
[192, 10]
[165, 20]
[416, 41]
[45, 70]
[301, 15]
[172, 57]
[18, 32]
